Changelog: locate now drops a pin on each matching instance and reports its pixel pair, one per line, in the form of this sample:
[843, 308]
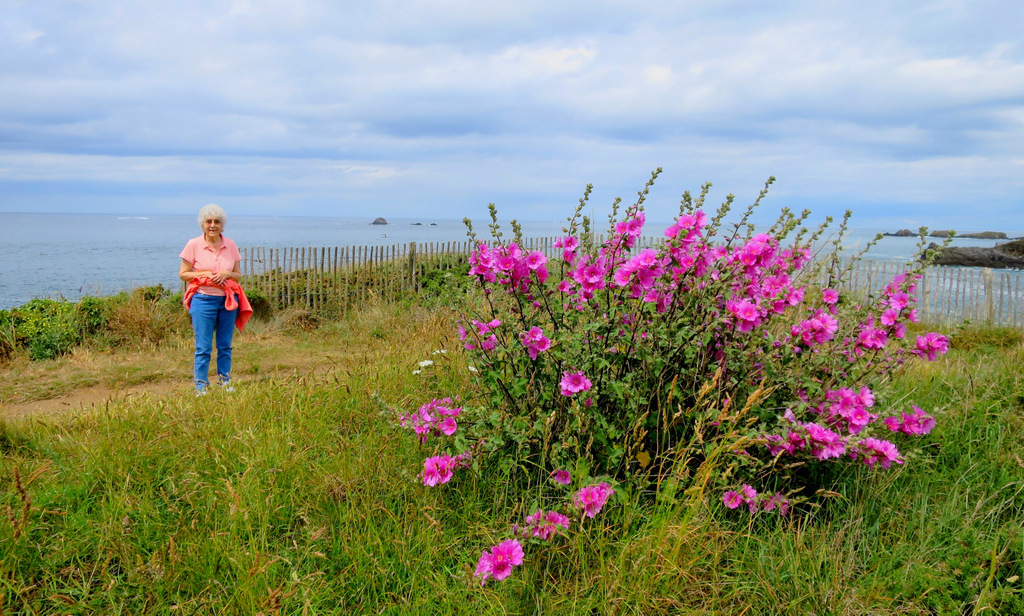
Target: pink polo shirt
[203, 258]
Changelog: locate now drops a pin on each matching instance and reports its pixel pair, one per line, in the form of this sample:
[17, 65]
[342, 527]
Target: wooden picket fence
[333, 279]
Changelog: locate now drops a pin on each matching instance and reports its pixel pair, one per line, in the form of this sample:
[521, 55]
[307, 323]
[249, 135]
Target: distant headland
[983, 235]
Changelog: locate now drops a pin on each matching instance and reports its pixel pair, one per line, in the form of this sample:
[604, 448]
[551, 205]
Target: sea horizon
[72, 255]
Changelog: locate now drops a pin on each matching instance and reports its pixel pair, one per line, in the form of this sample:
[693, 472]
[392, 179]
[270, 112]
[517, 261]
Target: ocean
[74, 255]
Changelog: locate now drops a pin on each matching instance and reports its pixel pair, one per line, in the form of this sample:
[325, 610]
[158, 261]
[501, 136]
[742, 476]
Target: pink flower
[889, 317]
[437, 470]
[623, 274]
[535, 259]
[574, 383]
[879, 452]
[824, 443]
[569, 243]
[818, 329]
[931, 345]
[592, 498]
[872, 338]
[898, 301]
[447, 426]
[916, 423]
[743, 310]
[546, 525]
[483, 567]
[776, 502]
[829, 296]
[535, 341]
[499, 563]
[732, 499]
[561, 476]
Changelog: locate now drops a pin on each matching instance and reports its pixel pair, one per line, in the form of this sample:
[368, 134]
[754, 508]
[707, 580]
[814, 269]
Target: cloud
[451, 104]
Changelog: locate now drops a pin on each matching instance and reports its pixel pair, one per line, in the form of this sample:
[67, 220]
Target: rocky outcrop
[1009, 255]
[984, 235]
[379, 221]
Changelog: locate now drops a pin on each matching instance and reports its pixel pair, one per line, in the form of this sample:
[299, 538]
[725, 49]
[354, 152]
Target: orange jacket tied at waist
[234, 298]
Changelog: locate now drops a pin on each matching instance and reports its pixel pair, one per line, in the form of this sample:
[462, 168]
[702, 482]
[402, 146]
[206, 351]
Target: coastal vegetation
[299, 495]
[595, 447]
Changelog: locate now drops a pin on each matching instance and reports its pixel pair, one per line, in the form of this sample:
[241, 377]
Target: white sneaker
[228, 388]
[201, 392]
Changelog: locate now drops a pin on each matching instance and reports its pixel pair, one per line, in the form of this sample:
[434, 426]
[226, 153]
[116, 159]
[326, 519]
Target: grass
[297, 495]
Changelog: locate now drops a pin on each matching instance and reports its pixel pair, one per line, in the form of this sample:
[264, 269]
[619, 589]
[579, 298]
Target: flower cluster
[755, 502]
[545, 525]
[434, 417]
[931, 345]
[508, 265]
[847, 409]
[498, 563]
[876, 451]
[591, 499]
[439, 470]
[540, 526]
[535, 341]
[915, 423]
[817, 329]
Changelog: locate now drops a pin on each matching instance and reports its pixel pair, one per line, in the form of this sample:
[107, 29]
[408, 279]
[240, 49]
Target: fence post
[990, 296]
[412, 266]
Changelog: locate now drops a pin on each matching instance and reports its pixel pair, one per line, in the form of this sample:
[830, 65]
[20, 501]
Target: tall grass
[297, 495]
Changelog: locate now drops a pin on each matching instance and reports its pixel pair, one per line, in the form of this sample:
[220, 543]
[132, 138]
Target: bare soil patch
[87, 398]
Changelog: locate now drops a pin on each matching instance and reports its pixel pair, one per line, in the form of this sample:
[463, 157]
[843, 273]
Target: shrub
[47, 327]
[144, 317]
[261, 306]
[92, 314]
[443, 279]
[714, 359]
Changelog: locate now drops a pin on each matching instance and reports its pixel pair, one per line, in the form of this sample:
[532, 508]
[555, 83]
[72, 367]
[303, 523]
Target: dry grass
[265, 350]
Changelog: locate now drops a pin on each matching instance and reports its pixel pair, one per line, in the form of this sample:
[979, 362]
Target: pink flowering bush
[623, 351]
[663, 361]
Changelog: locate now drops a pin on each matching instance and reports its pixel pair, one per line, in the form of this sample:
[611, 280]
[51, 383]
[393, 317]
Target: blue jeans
[209, 317]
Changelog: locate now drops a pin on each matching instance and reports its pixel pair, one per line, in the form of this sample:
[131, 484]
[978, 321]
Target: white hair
[213, 210]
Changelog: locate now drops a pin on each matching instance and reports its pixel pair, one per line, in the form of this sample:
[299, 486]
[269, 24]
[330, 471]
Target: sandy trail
[87, 398]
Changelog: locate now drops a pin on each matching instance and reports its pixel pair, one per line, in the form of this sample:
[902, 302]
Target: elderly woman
[209, 264]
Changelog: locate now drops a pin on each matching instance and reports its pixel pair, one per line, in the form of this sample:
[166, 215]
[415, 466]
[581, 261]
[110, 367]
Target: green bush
[48, 328]
[443, 279]
[261, 306]
[92, 314]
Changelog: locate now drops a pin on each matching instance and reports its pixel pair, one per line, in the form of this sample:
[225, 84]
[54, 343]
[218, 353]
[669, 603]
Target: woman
[210, 266]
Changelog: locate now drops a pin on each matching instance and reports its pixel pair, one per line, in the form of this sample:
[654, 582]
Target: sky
[908, 112]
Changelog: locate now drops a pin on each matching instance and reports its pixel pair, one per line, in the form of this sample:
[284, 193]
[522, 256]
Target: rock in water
[901, 233]
[1008, 255]
[379, 221]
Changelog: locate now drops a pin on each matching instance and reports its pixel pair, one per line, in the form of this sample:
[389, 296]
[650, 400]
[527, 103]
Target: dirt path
[87, 379]
[87, 398]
